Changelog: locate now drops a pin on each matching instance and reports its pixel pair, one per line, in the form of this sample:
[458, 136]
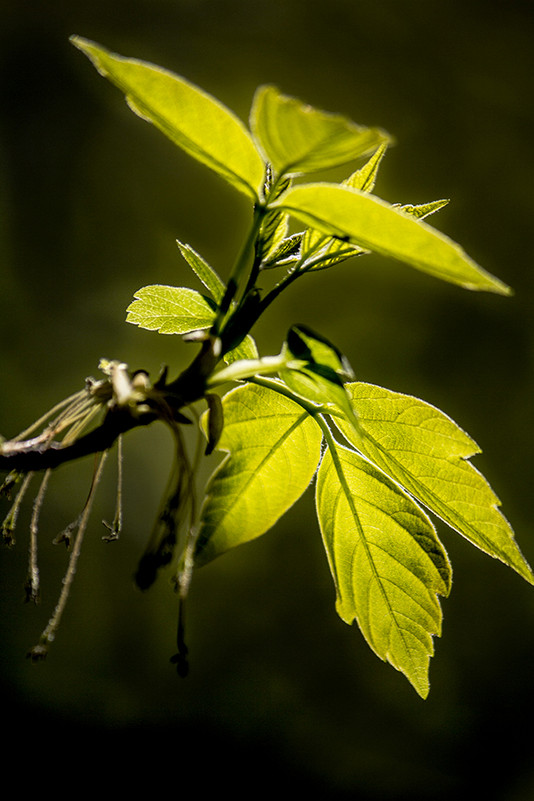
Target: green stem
[240, 267]
[295, 273]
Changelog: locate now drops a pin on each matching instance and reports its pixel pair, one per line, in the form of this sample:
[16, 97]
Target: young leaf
[297, 138]
[422, 210]
[180, 310]
[386, 560]
[426, 452]
[319, 370]
[274, 449]
[191, 118]
[170, 309]
[371, 223]
[203, 271]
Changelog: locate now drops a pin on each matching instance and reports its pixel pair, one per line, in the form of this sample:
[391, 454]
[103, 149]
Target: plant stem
[240, 267]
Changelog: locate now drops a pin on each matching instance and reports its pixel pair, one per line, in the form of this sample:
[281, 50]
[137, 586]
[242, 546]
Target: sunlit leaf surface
[370, 223]
[386, 560]
[427, 453]
[191, 118]
[274, 449]
[297, 138]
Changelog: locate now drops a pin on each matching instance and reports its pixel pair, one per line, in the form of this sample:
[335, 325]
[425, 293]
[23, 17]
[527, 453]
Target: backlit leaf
[203, 271]
[274, 449]
[170, 309]
[371, 223]
[180, 310]
[191, 118]
[386, 560]
[314, 241]
[427, 453]
[296, 138]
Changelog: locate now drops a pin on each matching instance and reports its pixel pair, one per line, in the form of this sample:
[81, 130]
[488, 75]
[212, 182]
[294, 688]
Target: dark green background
[282, 696]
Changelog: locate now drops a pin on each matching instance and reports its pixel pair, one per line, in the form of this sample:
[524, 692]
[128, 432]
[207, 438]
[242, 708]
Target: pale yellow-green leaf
[371, 223]
[427, 453]
[179, 310]
[191, 118]
[273, 450]
[386, 560]
[362, 179]
[297, 138]
[203, 271]
[170, 310]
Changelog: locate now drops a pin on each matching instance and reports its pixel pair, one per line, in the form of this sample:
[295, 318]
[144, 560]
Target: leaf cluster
[383, 464]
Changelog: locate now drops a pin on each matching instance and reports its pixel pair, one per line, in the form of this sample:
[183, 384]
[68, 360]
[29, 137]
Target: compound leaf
[371, 223]
[386, 560]
[191, 118]
[297, 138]
[427, 453]
[274, 449]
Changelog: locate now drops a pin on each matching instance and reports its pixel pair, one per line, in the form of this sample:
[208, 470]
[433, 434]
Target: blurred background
[282, 696]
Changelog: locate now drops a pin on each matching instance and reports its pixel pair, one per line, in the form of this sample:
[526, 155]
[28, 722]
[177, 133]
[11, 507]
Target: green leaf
[180, 310]
[308, 345]
[296, 138]
[422, 210]
[170, 309]
[203, 271]
[317, 241]
[426, 452]
[318, 371]
[371, 223]
[191, 118]
[274, 448]
[245, 350]
[364, 179]
[386, 560]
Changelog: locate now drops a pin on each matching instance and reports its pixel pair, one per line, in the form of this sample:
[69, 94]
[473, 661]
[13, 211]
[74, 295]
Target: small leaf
[368, 222]
[423, 210]
[297, 138]
[426, 453]
[191, 118]
[180, 310]
[287, 251]
[364, 179]
[203, 271]
[386, 560]
[170, 309]
[308, 345]
[319, 371]
[245, 350]
[273, 450]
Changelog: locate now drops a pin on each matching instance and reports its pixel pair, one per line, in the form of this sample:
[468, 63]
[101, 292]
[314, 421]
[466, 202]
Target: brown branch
[25, 457]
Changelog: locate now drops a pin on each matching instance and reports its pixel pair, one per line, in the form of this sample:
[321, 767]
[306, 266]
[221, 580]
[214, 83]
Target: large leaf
[426, 452]
[297, 138]
[386, 560]
[274, 448]
[371, 223]
[191, 118]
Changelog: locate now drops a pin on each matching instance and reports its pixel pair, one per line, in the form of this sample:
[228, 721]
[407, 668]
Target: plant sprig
[383, 463]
